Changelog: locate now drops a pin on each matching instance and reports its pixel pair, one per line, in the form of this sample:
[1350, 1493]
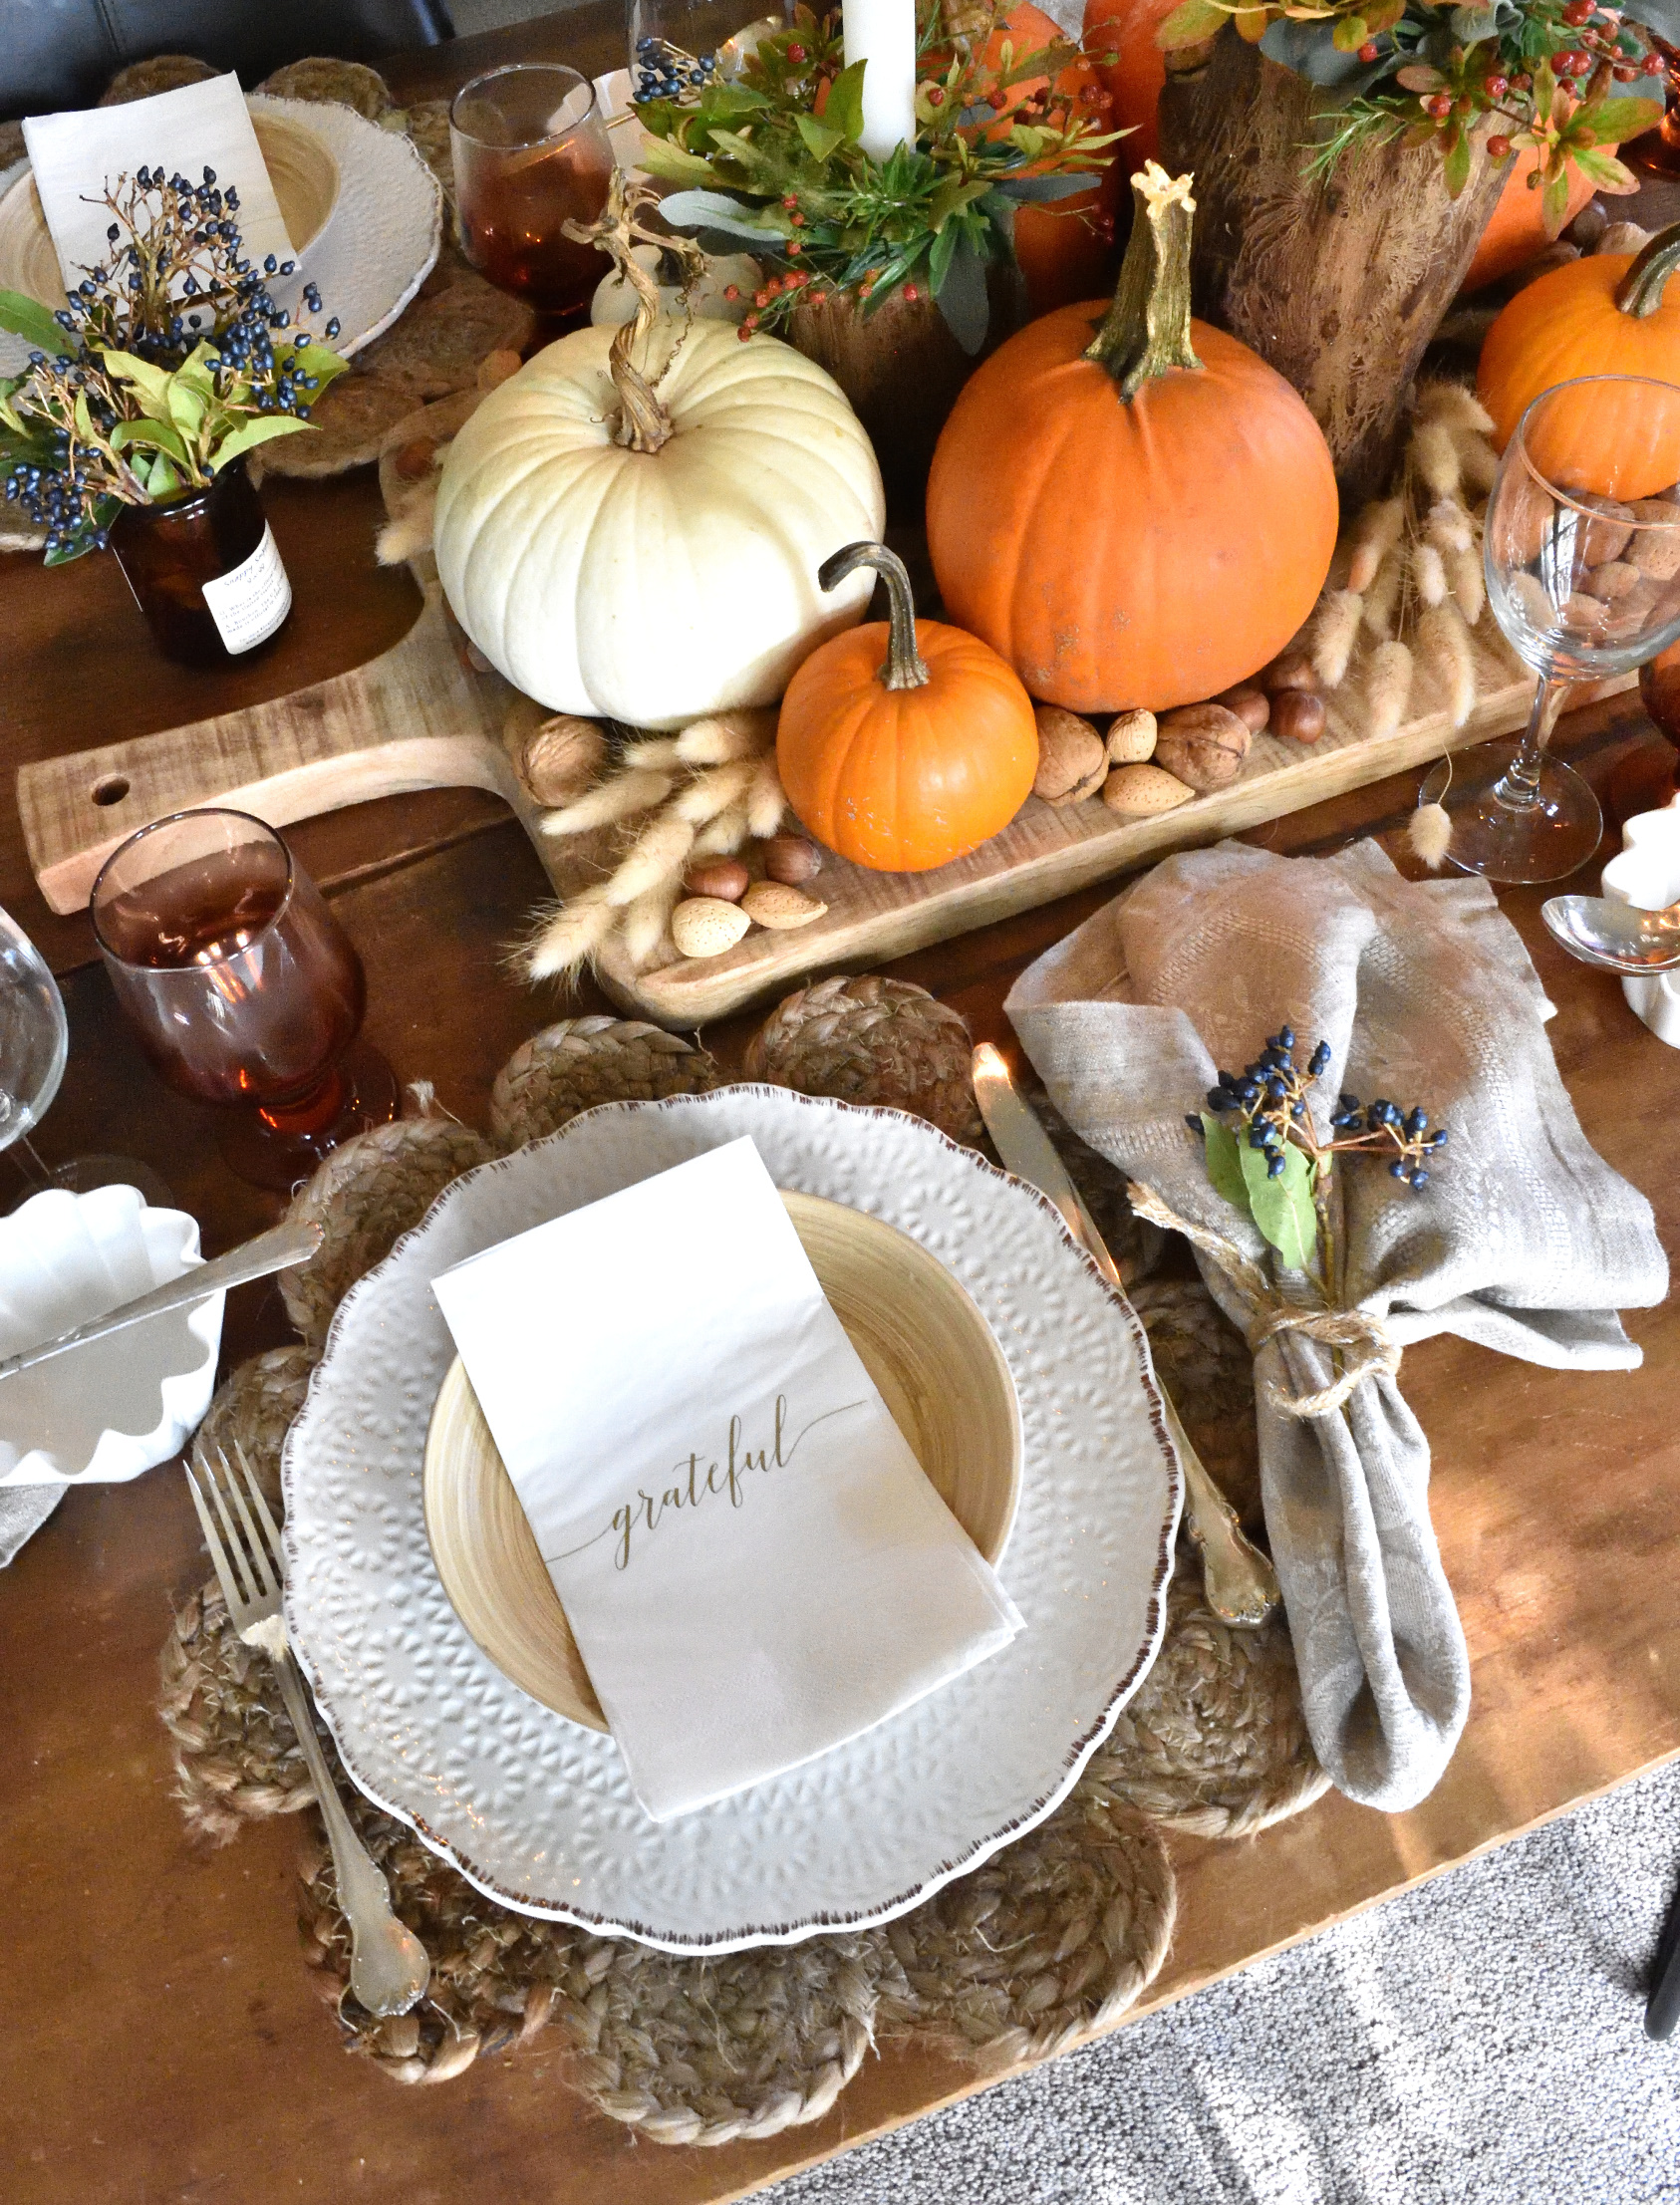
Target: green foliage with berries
[1565, 79]
[770, 159]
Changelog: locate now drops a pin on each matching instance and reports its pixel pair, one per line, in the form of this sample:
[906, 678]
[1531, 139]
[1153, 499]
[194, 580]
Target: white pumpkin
[656, 586]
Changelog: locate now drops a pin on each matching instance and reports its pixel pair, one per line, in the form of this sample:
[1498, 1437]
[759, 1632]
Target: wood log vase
[1338, 281]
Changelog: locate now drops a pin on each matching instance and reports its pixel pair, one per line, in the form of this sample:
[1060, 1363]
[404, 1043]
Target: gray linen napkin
[1525, 1240]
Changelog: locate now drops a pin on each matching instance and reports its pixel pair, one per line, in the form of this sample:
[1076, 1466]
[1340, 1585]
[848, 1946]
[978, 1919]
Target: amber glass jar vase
[205, 570]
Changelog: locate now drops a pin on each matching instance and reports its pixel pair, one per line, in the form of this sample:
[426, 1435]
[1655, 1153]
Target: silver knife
[1241, 1584]
[274, 1251]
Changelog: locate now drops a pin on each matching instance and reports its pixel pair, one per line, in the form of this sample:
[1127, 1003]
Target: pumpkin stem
[1640, 291]
[906, 669]
[1146, 329]
[642, 423]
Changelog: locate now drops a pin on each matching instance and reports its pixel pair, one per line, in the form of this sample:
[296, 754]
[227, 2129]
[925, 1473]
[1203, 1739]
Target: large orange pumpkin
[904, 745]
[1137, 510]
[1606, 314]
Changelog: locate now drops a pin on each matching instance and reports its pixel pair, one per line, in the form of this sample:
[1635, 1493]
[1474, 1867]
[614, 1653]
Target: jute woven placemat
[1050, 1940]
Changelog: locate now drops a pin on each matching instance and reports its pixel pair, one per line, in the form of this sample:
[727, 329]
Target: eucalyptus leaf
[1062, 185]
[715, 211]
[1661, 16]
[1225, 1162]
[1309, 49]
[1282, 1207]
[27, 319]
[249, 435]
[1472, 25]
[962, 296]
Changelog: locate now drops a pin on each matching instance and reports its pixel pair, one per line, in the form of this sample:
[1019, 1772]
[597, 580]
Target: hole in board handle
[111, 791]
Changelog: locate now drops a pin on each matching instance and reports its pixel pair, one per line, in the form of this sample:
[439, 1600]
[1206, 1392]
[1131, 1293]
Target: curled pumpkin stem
[643, 424]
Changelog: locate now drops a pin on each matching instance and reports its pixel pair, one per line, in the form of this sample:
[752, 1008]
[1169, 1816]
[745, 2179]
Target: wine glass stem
[1519, 785]
[35, 1172]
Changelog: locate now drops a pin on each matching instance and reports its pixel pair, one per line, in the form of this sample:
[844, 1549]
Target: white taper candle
[883, 34]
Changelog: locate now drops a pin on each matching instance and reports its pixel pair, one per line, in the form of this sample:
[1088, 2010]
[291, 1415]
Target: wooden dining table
[163, 2037]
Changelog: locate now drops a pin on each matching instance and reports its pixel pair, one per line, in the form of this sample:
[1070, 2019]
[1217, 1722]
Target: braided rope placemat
[1049, 1941]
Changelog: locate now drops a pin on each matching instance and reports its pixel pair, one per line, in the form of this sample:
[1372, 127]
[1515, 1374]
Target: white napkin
[752, 1562]
[198, 126]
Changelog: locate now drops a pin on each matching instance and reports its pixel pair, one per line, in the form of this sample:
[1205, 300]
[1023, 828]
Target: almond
[1131, 739]
[779, 906]
[1134, 791]
[1601, 541]
[706, 925]
[1655, 549]
[1071, 760]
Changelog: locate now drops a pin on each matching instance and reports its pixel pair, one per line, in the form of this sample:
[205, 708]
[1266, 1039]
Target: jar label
[249, 603]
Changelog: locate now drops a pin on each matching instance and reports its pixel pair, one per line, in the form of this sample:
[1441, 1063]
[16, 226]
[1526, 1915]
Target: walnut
[1203, 745]
[1071, 758]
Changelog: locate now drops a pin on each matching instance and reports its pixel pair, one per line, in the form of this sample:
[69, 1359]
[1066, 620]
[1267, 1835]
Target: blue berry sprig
[666, 72]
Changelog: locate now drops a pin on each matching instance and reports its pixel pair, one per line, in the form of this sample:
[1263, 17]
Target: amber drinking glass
[205, 571]
[531, 153]
[243, 988]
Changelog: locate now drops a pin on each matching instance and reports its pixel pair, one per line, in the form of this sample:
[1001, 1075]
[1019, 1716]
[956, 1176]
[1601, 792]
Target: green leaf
[1350, 34]
[819, 138]
[661, 159]
[1225, 1162]
[160, 478]
[1555, 200]
[250, 433]
[1607, 174]
[1613, 121]
[198, 370]
[1455, 171]
[844, 111]
[1189, 23]
[1282, 1207]
[321, 361]
[150, 385]
[149, 435]
[187, 406]
[32, 322]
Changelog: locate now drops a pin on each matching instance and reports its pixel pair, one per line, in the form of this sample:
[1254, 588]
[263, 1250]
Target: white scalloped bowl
[100, 1413]
[1646, 876]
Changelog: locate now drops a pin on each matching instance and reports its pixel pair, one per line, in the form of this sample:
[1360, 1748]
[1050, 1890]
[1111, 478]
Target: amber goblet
[531, 153]
[243, 989]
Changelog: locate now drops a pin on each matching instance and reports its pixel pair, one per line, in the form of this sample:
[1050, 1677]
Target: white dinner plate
[536, 1809]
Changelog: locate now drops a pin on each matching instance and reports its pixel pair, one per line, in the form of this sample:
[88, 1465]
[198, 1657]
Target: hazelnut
[1131, 739]
[725, 878]
[1071, 758]
[1203, 745]
[779, 906]
[1136, 791]
[1249, 704]
[1293, 671]
[706, 925]
[792, 859]
[1298, 715]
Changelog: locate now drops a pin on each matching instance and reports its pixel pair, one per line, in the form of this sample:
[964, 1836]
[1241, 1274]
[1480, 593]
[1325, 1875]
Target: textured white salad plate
[535, 1809]
[379, 244]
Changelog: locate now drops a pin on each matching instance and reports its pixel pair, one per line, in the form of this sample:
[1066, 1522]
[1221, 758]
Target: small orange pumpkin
[1143, 518]
[1606, 314]
[903, 744]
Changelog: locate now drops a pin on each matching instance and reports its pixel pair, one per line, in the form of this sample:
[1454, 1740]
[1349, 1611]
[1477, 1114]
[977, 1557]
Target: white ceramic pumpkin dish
[654, 587]
[535, 1809]
[1646, 875]
[918, 1335]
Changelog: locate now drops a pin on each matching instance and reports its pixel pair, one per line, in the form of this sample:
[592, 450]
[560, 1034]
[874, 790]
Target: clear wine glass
[1581, 545]
[677, 43]
[34, 1044]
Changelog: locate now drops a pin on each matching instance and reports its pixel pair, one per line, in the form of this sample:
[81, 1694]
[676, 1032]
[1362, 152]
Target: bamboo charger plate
[301, 168]
[917, 1333]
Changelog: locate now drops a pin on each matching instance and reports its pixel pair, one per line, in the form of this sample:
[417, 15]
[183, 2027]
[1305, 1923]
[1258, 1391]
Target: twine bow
[1364, 1340]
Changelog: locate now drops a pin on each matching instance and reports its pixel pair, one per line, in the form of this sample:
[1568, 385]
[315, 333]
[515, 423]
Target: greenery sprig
[771, 160]
[1564, 78]
[168, 363]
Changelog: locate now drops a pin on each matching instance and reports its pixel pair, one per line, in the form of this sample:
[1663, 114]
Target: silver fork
[388, 1969]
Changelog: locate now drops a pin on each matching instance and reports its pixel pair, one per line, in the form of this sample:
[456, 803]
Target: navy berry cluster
[664, 72]
[1269, 1097]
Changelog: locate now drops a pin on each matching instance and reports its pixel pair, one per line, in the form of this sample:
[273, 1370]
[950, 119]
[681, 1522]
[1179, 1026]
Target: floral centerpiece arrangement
[772, 159]
[166, 365]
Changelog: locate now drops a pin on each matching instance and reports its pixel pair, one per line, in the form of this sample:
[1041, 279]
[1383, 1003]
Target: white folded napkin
[196, 127]
[752, 1562]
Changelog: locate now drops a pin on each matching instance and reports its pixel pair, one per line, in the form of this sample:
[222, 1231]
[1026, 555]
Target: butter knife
[275, 1250]
[1241, 1583]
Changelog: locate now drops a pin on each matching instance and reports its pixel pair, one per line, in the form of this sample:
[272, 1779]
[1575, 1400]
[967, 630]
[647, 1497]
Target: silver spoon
[1616, 935]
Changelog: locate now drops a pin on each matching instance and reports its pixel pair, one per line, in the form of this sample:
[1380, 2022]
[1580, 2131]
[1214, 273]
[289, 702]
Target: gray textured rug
[1477, 2041]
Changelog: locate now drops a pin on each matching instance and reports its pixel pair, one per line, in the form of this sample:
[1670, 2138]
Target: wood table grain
[163, 2037]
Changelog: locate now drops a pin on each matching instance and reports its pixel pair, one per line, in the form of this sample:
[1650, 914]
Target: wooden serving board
[415, 717]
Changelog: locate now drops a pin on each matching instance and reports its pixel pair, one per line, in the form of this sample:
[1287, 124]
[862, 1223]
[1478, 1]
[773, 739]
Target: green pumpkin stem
[1640, 291]
[906, 669]
[1147, 330]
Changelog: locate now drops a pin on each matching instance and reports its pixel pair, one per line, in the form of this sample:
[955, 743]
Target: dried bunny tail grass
[1470, 584]
[722, 837]
[1444, 650]
[1478, 462]
[619, 798]
[714, 791]
[409, 532]
[658, 855]
[1382, 599]
[1388, 685]
[1455, 404]
[1435, 451]
[648, 921]
[766, 799]
[1334, 633]
[1447, 527]
[1430, 832]
[651, 754]
[726, 737]
[1429, 572]
[568, 936]
[1375, 535]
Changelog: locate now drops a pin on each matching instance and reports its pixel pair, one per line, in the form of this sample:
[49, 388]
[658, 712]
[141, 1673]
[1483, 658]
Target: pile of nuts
[1143, 764]
[722, 900]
